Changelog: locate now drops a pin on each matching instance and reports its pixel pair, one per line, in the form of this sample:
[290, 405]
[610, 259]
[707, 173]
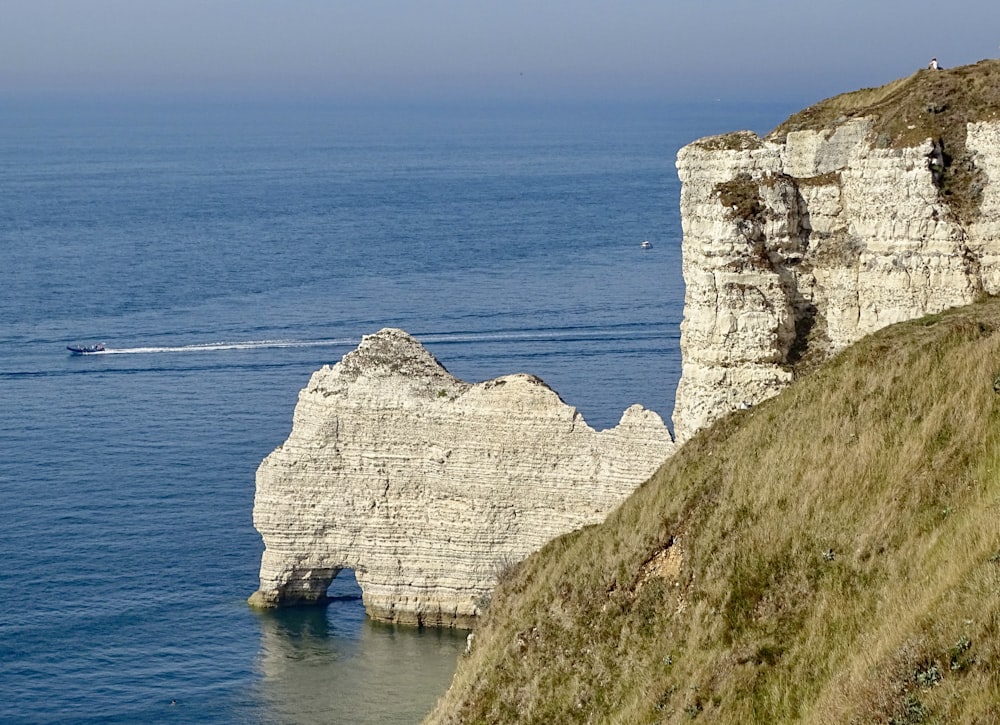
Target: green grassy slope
[829, 556]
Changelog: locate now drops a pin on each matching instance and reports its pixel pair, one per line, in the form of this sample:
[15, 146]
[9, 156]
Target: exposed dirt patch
[664, 564]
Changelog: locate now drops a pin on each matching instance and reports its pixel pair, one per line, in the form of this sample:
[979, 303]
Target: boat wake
[575, 334]
[217, 346]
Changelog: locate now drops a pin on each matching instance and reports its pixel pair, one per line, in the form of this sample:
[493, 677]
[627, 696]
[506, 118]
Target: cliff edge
[429, 487]
[864, 210]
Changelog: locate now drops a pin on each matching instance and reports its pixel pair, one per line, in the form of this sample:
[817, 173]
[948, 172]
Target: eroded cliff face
[801, 243]
[427, 486]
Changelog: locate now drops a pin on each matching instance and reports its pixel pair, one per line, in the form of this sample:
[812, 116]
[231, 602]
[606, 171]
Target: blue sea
[222, 252]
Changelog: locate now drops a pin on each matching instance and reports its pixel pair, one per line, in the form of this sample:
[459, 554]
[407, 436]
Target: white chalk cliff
[805, 241]
[427, 486]
[864, 210]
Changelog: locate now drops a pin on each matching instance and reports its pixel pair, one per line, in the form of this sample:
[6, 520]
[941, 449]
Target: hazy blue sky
[659, 49]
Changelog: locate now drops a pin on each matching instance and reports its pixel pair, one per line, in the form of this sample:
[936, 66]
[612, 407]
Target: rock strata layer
[428, 487]
[802, 244]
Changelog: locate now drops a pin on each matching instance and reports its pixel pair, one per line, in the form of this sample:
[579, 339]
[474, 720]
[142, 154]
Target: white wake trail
[216, 346]
[456, 337]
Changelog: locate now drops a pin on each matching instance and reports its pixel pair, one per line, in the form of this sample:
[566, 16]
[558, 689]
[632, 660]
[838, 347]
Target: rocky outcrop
[429, 487]
[858, 213]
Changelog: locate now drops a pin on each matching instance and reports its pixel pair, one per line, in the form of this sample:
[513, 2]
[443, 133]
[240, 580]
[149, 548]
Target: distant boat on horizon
[646, 245]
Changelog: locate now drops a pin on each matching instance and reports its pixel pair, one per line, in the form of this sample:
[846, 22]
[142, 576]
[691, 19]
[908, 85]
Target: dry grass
[832, 555]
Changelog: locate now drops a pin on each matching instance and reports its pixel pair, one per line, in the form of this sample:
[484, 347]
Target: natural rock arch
[426, 486]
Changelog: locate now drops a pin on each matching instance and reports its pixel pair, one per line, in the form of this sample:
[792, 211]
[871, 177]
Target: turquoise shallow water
[223, 254]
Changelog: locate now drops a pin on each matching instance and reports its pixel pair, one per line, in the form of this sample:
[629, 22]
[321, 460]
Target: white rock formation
[810, 243]
[795, 246]
[427, 486]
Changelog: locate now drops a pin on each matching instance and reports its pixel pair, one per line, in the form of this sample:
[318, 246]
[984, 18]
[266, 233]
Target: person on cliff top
[933, 65]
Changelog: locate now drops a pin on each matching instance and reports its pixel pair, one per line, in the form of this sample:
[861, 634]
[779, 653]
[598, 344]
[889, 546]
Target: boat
[86, 349]
[646, 245]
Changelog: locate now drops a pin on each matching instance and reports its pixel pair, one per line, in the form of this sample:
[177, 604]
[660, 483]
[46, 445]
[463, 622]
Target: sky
[658, 50]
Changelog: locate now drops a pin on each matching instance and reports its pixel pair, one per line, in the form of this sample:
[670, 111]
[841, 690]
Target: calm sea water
[223, 254]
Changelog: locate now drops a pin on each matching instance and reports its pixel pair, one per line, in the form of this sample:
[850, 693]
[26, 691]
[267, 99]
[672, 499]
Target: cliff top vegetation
[909, 110]
[830, 555]
[934, 104]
